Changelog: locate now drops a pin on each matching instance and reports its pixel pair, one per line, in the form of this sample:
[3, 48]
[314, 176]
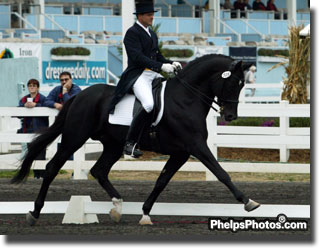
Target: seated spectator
[247, 5]
[34, 124]
[227, 5]
[238, 5]
[258, 5]
[60, 94]
[271, 5]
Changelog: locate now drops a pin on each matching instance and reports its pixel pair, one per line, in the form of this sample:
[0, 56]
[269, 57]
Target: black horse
[181, 132]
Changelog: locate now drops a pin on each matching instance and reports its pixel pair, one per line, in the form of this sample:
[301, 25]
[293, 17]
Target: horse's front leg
[203, 153]
[172, 166]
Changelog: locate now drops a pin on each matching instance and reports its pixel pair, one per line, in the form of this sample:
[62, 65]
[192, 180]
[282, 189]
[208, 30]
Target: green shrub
[303, 122]
[68, 51]
[177, 53]
[273, 52]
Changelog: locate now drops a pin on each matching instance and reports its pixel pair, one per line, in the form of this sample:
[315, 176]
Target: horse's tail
[44, 138]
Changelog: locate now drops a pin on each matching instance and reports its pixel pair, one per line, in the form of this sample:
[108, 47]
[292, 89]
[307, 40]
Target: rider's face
[146, 19]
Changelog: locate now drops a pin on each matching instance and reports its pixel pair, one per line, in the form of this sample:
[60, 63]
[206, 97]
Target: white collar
[146, 29]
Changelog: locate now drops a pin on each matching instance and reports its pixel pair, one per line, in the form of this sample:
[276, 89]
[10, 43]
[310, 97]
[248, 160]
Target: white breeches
[142, 89]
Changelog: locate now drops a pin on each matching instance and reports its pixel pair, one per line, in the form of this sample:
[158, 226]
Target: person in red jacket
[258, 5]
[271, 5]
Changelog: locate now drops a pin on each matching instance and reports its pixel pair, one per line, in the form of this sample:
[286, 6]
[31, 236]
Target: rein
[203, 96]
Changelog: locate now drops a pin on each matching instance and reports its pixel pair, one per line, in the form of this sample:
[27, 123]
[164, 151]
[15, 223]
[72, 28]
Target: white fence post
[4, 121]
[78, 160]
[52, 148]
[212, 133]
[284, 123]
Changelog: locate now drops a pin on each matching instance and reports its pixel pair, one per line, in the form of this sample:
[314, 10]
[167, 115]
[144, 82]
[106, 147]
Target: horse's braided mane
[204, 58]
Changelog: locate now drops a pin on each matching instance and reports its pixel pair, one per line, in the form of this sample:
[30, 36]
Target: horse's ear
[238, 66]
[235, 65]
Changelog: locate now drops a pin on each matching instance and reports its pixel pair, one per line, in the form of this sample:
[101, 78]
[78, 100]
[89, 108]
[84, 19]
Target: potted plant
[70, 54]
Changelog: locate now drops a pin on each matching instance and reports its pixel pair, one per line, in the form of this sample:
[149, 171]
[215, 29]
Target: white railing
[261, 99]
[283, 138]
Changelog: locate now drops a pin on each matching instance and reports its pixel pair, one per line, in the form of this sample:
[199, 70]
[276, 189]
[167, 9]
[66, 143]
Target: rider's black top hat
[144, 7]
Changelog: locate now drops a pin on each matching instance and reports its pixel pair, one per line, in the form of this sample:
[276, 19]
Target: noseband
[206, 99]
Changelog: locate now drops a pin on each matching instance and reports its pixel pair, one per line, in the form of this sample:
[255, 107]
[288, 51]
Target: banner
[82, 72]
[21, 49]
[246, 54]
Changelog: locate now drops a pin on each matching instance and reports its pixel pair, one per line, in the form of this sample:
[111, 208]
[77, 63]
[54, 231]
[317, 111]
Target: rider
[145, 61]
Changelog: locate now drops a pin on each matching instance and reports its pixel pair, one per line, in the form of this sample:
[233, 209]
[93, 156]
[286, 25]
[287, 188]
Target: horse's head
[232, 83]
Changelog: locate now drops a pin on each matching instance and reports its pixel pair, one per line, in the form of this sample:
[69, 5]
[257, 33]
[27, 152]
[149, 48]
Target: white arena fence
[283, 138]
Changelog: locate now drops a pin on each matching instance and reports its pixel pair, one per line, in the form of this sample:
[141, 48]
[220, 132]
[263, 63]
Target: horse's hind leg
[52, 169]
[172, 166]
[203, 153]
[111, 154]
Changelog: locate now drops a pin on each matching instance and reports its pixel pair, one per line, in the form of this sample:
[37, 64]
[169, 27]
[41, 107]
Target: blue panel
[261, 26]
[302, 4]
[67, 22]
[114, 61]
[91, 23]
[303, 16]
[114, 23]
[279, 27]
[239, 27]
[258, 15]
[85, 11]
[99, 11]
[32, 19]
[167, 24]
[53, 34]
[53, 10]
[181, 11]
[4, 8]
[196, 2]
[190, 25]
[250, 37]
[4, 20]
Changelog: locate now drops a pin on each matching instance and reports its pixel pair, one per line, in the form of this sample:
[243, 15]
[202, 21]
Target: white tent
[305, 31]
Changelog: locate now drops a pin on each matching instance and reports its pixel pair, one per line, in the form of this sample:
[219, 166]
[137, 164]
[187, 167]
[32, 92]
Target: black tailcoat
[143, 52]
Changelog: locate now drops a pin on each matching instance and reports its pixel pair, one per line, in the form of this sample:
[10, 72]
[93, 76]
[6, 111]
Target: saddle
[129, 105]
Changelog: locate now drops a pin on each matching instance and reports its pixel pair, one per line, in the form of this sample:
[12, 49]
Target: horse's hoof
[30, 219]
[115, 215]
[251, 205]
[145, 220]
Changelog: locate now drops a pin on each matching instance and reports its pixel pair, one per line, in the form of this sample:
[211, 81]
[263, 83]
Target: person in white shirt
[250, 78]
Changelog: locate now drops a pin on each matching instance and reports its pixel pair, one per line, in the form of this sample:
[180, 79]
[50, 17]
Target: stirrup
[131, 149]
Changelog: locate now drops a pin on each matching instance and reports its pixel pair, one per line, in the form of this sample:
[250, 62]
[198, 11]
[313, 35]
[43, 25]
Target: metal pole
[127, 21]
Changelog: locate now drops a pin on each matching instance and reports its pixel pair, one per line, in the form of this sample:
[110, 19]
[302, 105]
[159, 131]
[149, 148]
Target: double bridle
[206, 99]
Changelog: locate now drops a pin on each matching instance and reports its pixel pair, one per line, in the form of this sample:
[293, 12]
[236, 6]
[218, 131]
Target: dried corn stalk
[297, 68]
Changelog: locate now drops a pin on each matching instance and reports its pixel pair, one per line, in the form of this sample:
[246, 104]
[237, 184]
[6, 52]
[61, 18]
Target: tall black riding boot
[139, 122]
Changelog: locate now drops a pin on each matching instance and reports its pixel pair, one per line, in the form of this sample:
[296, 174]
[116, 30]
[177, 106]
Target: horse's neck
[184, 98]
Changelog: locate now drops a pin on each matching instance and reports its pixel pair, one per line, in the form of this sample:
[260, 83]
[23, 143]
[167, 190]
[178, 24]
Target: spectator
[271, 6]
[238, 5]
[258, 5]
[227, 5]
[250, 78]
[247, 5]
[206, 5]
[60, 94]
[34, 124]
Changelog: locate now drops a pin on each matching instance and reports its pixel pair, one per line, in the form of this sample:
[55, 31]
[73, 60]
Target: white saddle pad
[123, 112]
